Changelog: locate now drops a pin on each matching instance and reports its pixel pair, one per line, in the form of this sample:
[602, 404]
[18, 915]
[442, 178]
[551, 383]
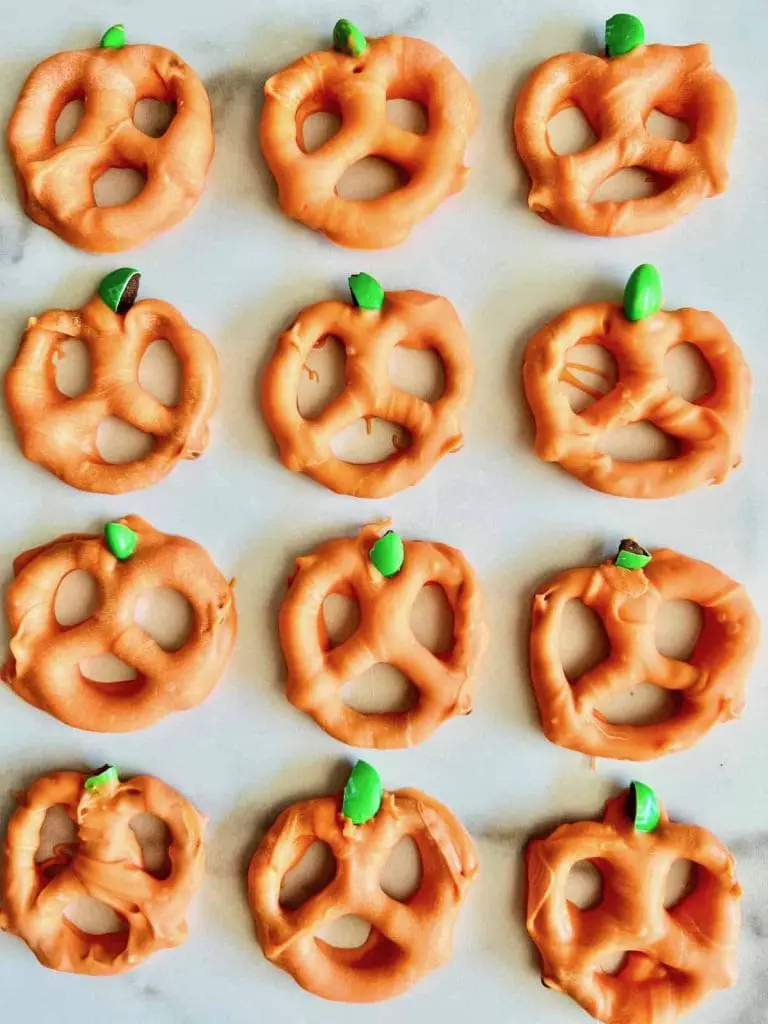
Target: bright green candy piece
[107, 773]
[367, 293]
[347, 38]
[388, 553]
[631, 555]
[623, 32]
[113, 38]
[642, 295]
[643, 807]
[120, 288]
[362, 794]
[121, 540]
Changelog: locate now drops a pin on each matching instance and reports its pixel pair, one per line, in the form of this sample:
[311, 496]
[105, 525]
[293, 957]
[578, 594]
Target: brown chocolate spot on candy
[128, 298]
[631, 545]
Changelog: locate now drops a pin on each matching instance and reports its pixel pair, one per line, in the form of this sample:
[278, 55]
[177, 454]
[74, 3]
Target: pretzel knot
[406, 939]
[45, 658]
[676, 957]
[710, 684]
[617, 95]
[411, 319]
[317, 670]
[357, 89]
[60, 433]
[56, 181]
[708, 430]
[106, 865]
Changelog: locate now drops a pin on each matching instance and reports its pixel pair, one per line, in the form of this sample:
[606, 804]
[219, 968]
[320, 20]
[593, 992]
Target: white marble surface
[238, 270]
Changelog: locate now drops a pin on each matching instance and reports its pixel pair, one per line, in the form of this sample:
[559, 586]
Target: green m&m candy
[642, 295]
[347, 38]
[120, 288]
[113, 38]
[121, 540]
[623, 33]
[643, 807]
[367, 293]
[631, 555]
[106, 774]
[362, 794]
[388, 553]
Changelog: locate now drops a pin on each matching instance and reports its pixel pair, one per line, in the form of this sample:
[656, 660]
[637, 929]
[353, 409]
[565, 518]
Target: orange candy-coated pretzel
[56, 181]
[106, 864]
[675, 957]
[709, 430]
[407, 939]
[617, 95]
[357, 88]
[60, 433]
[412, 319]
[317, 671]
[43, 666]
[710, 684]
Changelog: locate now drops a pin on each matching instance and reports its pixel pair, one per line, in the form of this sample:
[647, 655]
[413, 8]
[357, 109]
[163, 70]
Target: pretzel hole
[166, 615]
[324, 377]
[583, 641]
[341, 615]
[106, 668]
[160, 372]
[154, 838]
[644, 704]
[118, 442]
[77, 598]
[72, 367]
[584, 885]
[346, 932]
[69, 120]
[91, 917]
[678, 627]
[432, 619]
[681, 881]
[667, 127]
[370, 178]
[589, 373]
[688, 373]
[570, 132]
[639, 442]
[629, 183]
[370, 440]
[59, 832]
[153, 117]
[315, 870]
[403, 873]
[408, 114]
[319, 128]
[381, 689]
[612, 961]
[417, 371]
[118, 186]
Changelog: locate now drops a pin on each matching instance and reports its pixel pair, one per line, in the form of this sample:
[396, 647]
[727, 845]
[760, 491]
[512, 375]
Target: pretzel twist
[675, 957]
[407, 939]
[106, 865]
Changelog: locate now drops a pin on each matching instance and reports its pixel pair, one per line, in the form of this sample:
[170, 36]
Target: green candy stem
[121, 540]
[388, 553]
[631, 555]
[362, 794]
[643, 293]
[347, 38]
[107, 773]
[367, 293]
[113, 38]
[643, 807]
[120, 288]
[623, 32]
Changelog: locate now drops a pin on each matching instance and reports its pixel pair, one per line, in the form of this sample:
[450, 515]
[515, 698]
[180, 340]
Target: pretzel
[709, 430]
[60, 433]
[407, 940]
[317, 671]
[710, 684]
[617, 95]
[357, 88]
[105, 864]
[56, 181]
[412, 319]
[676, 957]
[43, 666]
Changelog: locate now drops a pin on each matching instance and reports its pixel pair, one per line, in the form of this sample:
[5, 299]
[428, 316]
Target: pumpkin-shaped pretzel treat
[675, 956]
[362, 827]
[105, 863]
[60, 433]
[370, 328]
[707, 431]
[617, 93]
[628, 595]
[56, 180]
[385, 575]
[354, 80]
[130, 560]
